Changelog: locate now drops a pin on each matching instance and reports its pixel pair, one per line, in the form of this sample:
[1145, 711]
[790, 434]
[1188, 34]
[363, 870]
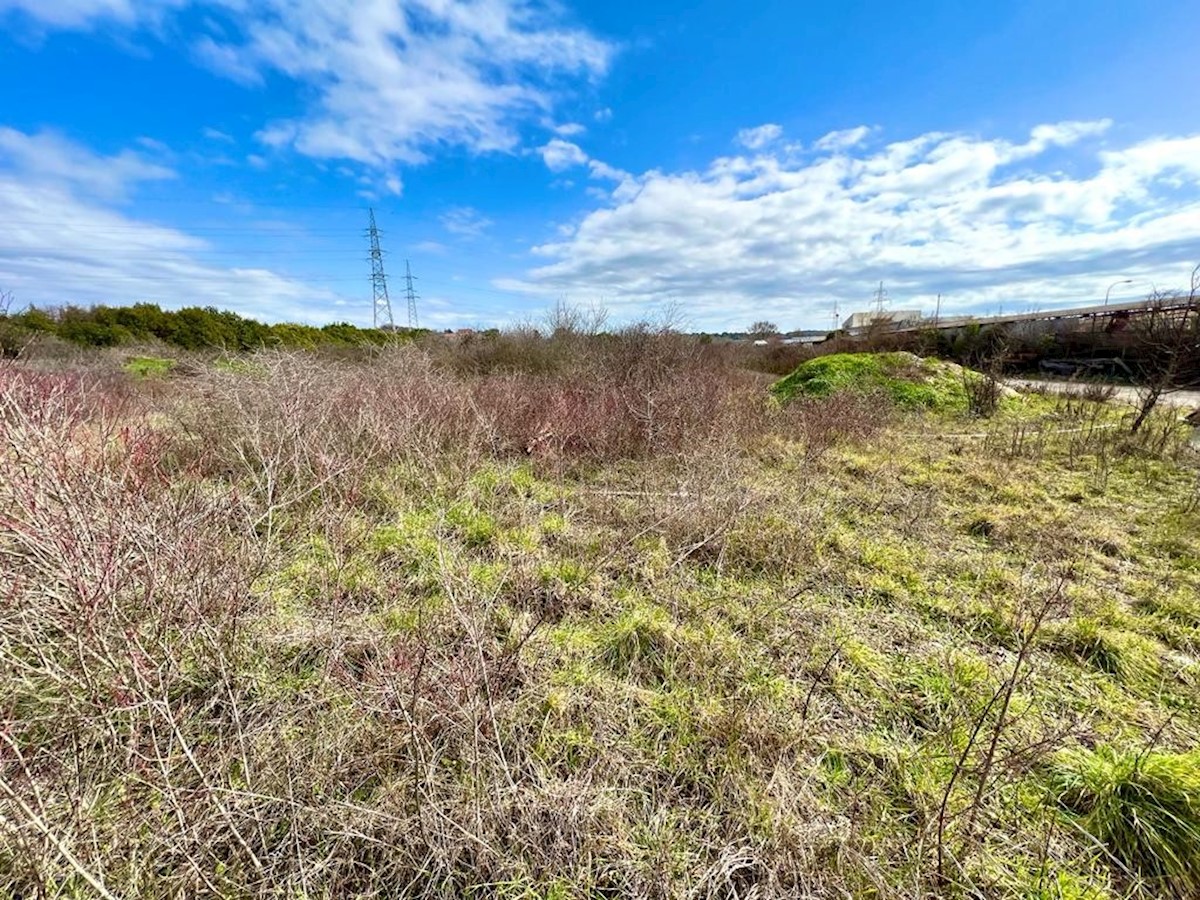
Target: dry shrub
[517, 350]
[608, 418]
[123, 598]
[1098, 391]
[298, 428]
[35, 396]
[296, 422]
[176, 723]
[845, 416]
[777, 358]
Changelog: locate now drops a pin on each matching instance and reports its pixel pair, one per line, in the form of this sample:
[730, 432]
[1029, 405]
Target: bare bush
[1098, 392]
[448, 621]
[1167, 340]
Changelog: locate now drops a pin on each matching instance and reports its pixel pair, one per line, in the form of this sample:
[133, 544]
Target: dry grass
[583, 618]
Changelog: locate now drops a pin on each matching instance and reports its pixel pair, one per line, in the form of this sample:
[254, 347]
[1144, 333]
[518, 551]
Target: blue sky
[737, 160]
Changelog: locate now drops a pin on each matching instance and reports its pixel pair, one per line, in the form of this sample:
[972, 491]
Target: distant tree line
[190, 328]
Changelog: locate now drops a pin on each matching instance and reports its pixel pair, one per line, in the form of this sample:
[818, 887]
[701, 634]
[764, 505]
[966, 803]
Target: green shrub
[92, 334]
[13, 338]
[192, 328]
[1144, 808]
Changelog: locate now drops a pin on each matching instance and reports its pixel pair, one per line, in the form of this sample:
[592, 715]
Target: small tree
[763, 329]
[1166, 339]
[570, 320]
[983, 373]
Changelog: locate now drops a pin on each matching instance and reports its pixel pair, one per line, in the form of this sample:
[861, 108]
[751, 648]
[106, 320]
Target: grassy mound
[1144, 808]
[908, 379]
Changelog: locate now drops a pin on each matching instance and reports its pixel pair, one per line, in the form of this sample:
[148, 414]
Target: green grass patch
[1143, 807]
[1132, 657]
[239, 365]
[149, 366]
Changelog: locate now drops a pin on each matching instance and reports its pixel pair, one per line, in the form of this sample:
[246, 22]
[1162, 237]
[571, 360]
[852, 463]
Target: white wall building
[862, 321]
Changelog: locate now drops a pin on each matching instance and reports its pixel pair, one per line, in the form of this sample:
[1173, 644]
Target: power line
[93, 276]
[381, 311]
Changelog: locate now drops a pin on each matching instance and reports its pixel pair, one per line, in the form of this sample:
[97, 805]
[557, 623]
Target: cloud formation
[757, 138]
[843, 140]
[983, 221]
[560, 155]
[465, 221]
[61, 246]
[49, 156]
[83, 13]
[391, 80]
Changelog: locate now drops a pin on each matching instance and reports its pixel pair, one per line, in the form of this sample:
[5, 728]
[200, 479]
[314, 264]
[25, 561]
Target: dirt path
[1182, 399]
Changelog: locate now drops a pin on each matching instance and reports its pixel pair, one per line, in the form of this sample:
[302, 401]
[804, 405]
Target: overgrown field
[598, 621]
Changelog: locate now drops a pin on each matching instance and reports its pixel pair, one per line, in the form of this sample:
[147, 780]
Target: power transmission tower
[881, 298]
[381, 313]
[411, 295]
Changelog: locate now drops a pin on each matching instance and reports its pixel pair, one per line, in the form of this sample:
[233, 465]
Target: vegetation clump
[575, 616]
[907, 380]
[190, 328]
[1143, 806]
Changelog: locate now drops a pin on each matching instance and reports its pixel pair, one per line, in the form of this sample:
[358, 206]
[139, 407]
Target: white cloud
[64, 245]
[215, 134]
[83, 13]
[843, 140]
[465, 222]
[50, 156]
[757, 138]
[1063, 134]
[603, 115]
[434, 248]
[569, 129]
[604, 171]
[227, 60]
[391, 80]
[154, 145]
[560, 155]
[972, 218]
